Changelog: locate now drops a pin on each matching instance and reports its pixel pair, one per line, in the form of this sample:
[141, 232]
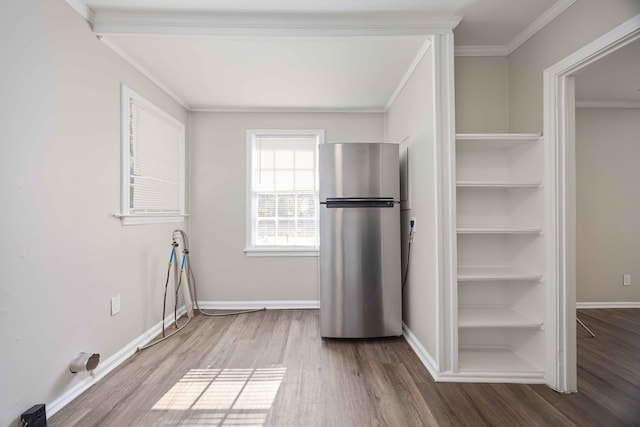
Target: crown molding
[506, 50]
[607, 104]
[248, 109]
[412, 68]
[148, 74]
[481, 51]
[84, 10]
[117, 21]
[549, 15]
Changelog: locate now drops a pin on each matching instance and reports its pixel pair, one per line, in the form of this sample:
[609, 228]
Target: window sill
[149, 219]
[282, 252]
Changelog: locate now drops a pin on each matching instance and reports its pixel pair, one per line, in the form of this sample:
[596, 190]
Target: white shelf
[494, 360]
[494, 318]
[499, 136]
[497, 184]
[497, 140]
[494, 274]
[468, 229]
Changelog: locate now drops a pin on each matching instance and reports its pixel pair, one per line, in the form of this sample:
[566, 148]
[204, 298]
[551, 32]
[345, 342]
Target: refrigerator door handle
[359, 202]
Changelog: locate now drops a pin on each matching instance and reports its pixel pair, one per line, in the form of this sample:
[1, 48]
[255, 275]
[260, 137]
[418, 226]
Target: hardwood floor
[271, 368]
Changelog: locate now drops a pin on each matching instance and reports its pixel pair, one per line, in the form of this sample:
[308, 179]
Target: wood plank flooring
[271, 368]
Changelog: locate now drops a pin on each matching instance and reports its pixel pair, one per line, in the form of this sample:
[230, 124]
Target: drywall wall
[481, 94]
[224, 272]
[608, 202]
[580, 24]
[411, 119]
[63, 254]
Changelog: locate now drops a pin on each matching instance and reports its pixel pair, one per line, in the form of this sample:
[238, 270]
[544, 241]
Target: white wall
[482, 97]
[63, 255]
[411, 115]
[608, 202]
[223, 271]
[581, 23]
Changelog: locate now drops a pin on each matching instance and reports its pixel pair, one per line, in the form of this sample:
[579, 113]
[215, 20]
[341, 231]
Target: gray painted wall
[411, 117]
[482, 97]
[581, 23]
[63, 254]
[608, 202]
[224, 272]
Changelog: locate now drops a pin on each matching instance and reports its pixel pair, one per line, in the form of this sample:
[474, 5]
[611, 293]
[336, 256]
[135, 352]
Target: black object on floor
[36, 416]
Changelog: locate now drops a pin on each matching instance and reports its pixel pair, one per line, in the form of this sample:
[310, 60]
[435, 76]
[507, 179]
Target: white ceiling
[251, 71]
[614, 79]
[235, 73]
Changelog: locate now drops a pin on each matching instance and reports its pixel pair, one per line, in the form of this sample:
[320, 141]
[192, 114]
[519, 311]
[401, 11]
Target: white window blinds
[284, 190]
[155, 167]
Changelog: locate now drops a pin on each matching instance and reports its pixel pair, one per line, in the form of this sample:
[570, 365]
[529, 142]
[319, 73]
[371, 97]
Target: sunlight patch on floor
[223, 397]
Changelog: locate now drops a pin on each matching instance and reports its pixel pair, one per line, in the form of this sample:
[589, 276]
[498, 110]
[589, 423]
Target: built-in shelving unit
[500, 228]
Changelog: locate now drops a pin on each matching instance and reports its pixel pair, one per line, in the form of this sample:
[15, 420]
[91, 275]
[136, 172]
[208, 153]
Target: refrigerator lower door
[361, 295]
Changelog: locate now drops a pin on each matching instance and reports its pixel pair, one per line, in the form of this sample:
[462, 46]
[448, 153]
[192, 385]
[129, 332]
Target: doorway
[560, 177]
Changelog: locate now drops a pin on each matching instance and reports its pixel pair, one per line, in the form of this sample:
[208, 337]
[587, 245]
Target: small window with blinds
[283, 190]
[152, 162]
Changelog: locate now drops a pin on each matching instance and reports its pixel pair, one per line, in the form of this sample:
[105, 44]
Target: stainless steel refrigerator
[360, 279]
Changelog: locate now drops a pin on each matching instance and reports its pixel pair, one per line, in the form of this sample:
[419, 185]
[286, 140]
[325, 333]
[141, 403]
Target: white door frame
[559, 132]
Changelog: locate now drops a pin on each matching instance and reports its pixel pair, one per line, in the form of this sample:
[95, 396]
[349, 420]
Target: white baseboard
[608, 304]
[421, 352]
[251, 305]
[109, 365]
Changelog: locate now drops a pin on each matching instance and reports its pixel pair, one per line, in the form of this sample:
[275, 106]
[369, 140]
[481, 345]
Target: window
[153, 162]
[282, 197]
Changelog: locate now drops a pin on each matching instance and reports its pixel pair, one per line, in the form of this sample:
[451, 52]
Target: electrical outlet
[115, 305]
[413, 219]
[626, 280]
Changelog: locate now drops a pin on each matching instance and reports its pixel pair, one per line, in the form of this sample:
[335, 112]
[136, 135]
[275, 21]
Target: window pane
[306, 232]
[266, 232]
[304, 159]
[266, 205]
[265, 157]
[284, 180]
[305, 180]
[264, 180]
[284, 159]
[285, 184]
[286, 205]
[306, 206]
[286, 231]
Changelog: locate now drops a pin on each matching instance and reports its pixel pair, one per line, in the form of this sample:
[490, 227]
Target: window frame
[283, 250]
[126, 216]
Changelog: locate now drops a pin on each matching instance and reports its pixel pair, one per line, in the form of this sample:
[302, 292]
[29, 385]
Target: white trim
[412, 68]
[559, 182]
[149, 219]
[421, 352]
[607, 104]
[549, 15]
[189, 22]
[125, 216]
[281, 252]
[109, 365]
[481, 51]
[492, 377]
[148, 74]
[250, 249]
[444, 176]
[248, 109]
[254, 305]
[625, 304]
[84, 10]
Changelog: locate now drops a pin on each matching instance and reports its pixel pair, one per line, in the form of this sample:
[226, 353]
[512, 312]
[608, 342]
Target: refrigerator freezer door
[359, 170]
[360, 272]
